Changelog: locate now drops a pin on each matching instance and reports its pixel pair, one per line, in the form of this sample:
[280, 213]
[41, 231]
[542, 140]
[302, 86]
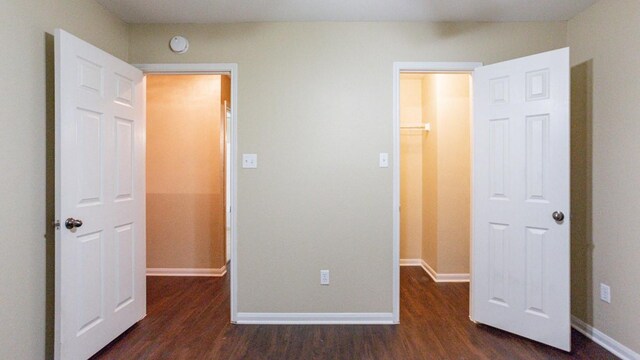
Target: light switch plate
[324, 277]
[384, 160]
[605, 293]
[249, 161]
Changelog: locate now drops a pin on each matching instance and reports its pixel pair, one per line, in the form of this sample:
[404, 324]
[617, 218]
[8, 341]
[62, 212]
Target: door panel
[520, 270]
[100, 265]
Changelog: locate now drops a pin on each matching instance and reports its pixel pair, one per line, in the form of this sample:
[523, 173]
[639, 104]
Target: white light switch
[249, 161]
[384, 160]
[605, 293]
[324, 277]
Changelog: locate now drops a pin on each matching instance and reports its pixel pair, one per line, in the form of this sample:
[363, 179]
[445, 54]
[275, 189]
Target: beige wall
[454, 173]
[581, 191]
[315, 104]
[446, 172]
[605, 36]
[225, 99]
[185, 174]
[27, 111]
[410, 168]
[430, 172]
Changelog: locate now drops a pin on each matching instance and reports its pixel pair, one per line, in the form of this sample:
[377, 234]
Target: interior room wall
[430, 172]
[454, 172]
[26, 143]
[581, 191]
[601, 41]
[446, 172]
[316, 105]
[410, 168]
[185, 175]
[225, 100]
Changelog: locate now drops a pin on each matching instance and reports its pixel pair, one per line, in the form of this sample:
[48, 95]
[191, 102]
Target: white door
[100, 183]
[520, 269]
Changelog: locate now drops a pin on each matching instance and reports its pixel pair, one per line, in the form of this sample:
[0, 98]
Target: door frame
[212, 69]
[418, 67]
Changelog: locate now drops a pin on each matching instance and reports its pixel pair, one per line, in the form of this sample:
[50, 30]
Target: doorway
[186, 174]
[225, 147]
[417, 127]
[435, 173]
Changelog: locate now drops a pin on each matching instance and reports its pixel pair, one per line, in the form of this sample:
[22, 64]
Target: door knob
[558, 216]
[71, 223]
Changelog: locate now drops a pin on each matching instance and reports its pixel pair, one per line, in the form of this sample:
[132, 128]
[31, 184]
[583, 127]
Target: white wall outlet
[384, 160]
[249, 161]
[605, 293]
[324, 277]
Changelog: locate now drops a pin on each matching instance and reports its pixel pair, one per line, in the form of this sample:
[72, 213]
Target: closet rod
[425, 127]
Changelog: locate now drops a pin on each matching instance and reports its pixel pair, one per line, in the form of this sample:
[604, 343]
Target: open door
[520, 236]
[100, 197]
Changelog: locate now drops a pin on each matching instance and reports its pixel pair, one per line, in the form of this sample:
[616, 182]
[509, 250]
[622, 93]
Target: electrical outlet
[324, 277]
[605, 293]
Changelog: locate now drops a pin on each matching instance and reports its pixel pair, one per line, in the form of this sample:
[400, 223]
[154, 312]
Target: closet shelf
[416, 126]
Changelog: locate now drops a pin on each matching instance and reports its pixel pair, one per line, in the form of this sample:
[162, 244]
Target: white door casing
[100, 180]
[520, 267]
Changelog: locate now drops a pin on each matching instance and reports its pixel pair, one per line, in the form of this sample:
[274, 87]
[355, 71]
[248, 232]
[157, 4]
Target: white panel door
[520, 270]
[100, 197]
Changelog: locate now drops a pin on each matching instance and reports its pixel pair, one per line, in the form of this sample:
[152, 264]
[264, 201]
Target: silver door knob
[71, 223]
[558, 216]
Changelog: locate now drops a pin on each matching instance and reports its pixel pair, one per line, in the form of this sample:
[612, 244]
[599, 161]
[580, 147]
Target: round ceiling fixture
[179, 44]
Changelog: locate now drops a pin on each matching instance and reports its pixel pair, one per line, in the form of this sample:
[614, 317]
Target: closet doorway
[433, 130]
[435, 173]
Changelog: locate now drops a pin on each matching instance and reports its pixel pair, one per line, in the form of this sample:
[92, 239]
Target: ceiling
[229, 11]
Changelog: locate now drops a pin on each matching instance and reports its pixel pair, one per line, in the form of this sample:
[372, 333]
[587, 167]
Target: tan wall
[315, 104]
[581, 190]
[446, 172]
[430, 172]
[225, 96]
[185, 177]
[410, 169]
[454, 173]
[605, 37]
[26, 145]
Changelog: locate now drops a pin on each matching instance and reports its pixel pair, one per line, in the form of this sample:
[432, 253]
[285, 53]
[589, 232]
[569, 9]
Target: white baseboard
[410, 262]
[314, 318]
[186, 272]
[604, 340]
[443, 277]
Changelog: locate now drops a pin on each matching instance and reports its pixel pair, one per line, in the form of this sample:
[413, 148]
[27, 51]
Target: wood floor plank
[188, 318]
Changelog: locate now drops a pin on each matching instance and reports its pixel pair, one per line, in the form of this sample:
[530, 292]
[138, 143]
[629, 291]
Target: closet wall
[411, 168]
[447, 172]
[445, 164]
[430, 172]
[185, 173]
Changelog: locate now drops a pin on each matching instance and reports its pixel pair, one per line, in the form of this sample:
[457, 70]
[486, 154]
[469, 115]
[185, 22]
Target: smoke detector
[179, 44]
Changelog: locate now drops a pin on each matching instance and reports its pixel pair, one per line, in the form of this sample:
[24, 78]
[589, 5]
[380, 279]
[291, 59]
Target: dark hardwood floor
[188, 318]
